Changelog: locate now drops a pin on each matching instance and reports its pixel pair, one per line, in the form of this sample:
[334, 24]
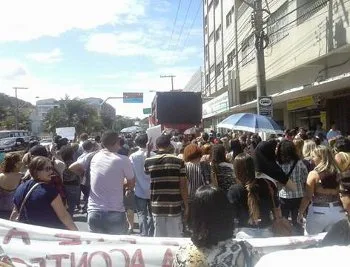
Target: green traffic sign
[147, 111]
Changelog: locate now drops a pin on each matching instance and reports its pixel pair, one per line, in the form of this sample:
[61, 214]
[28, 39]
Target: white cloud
[138, 43]
[47, 57]
[28, 20]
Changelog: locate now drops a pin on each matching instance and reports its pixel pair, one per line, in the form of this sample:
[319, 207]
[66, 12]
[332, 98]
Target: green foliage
[79, 114]
[122, 122]
[8, 113]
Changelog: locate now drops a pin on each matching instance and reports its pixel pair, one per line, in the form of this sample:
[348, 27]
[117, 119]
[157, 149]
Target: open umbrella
[250, 122]
[132, 129]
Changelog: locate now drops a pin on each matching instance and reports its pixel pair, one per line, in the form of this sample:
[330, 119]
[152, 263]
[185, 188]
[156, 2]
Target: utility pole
[17, 105]
[237, 78]
[172, 80]
[260, 44]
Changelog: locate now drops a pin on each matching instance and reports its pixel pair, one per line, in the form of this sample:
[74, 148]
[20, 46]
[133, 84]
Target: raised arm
[309, 192]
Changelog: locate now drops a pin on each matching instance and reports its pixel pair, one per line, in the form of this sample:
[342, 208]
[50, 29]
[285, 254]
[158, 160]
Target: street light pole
[17, 105]
[172, 80]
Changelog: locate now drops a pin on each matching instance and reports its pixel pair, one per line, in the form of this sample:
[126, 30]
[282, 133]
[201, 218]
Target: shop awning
[335, 83]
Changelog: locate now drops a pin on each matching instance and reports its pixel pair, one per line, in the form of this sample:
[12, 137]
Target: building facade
[196, 83]
[42, 107]
[307, 60]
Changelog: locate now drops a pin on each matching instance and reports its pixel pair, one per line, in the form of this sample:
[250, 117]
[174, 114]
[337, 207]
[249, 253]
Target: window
[207, 79]
[206, 52]
[210, 5]
[230, 58]
[248, 51]
[211, 36]
[218, 69]
[212, 68]
[206, 20]
[217, 34]
[228, 19]
[307, 8]
[216, 3]
[276, 26]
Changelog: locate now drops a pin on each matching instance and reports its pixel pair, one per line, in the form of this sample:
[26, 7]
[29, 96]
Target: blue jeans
[143, 208]
[107, 222]
[73, 197]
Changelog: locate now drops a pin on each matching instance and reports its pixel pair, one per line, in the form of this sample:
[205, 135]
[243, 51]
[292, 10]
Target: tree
[108, 116]
[122, 122]
[73, 113]
[8, 112]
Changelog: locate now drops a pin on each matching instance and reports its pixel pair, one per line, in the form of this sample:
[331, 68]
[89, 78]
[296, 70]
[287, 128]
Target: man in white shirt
[142, 186]
[106, 212]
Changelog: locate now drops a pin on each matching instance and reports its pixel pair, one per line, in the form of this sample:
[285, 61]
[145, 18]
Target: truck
[177, 110]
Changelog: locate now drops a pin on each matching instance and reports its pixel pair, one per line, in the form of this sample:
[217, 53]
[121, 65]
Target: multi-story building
[42, 107]
[196, 83]
[307, 60]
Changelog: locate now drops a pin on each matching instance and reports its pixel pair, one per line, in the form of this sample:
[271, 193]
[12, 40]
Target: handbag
[17, 217]
[280, 226]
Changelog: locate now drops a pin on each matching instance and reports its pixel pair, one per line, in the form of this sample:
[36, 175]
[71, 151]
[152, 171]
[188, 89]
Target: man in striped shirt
[168, 189]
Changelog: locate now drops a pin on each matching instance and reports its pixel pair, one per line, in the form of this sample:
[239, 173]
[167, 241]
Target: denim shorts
[107, 222]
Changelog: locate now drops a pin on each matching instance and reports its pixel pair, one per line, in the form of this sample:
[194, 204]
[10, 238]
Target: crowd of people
[210, 187]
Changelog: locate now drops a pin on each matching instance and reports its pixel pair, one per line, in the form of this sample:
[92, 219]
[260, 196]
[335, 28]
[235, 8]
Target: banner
[29, 245]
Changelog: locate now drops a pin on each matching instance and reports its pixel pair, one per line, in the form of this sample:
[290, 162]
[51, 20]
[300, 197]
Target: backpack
[70, 177]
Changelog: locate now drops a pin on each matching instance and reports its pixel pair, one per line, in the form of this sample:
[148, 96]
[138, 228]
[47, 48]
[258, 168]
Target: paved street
[81, 222]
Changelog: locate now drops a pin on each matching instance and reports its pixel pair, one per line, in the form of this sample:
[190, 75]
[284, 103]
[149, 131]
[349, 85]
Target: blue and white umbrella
[250, 122]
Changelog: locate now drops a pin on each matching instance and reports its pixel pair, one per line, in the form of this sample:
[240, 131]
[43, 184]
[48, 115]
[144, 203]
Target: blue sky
[98, 48]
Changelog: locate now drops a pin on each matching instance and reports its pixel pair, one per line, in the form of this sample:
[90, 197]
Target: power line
[183, 25]
[194, 20]
[174, 24]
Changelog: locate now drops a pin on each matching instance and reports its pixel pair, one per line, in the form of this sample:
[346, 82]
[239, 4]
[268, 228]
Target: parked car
[12, 144]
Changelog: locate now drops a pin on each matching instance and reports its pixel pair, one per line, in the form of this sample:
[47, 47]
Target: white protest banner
[29, 245]
[320, 257]
[153, 133]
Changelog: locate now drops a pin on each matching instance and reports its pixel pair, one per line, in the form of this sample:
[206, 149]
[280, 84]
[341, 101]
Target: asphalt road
[81, 222]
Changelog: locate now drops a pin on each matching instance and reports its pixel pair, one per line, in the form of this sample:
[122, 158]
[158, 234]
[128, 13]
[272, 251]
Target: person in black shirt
[252, 200]
[339, 234]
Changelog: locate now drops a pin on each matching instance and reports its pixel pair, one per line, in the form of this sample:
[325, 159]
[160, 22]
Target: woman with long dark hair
[212, 234]
[252, 200]
[222, 171]
[42, 204]
[322, 190]
[267, 167]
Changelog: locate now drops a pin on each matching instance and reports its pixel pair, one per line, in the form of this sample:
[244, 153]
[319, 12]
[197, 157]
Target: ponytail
[253, 202]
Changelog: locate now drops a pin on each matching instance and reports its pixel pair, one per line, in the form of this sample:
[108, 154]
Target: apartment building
[42, 107]
[307, 60]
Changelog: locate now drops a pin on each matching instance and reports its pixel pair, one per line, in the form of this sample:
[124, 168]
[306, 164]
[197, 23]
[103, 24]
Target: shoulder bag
[280, 226]
[17, 216]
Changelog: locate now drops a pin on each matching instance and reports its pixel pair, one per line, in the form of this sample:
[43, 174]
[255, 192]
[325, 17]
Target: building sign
[302, 102]
[215, 106]
[132, 97]
[147, 111]
[265, 106]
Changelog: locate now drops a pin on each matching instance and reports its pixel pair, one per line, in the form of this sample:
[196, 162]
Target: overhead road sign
[132, 97]
[147, 111]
